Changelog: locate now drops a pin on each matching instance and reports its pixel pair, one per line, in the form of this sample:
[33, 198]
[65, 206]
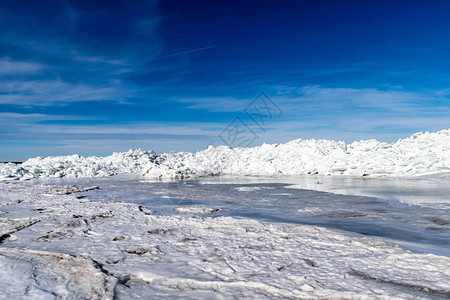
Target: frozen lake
[412, 212]
[308, 237]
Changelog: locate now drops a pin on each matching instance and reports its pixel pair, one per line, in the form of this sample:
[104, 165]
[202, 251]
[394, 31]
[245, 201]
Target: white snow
[309, 210]
[253, 188]
[57, 245]
[79, 166]
[44, 275]
[422, 153]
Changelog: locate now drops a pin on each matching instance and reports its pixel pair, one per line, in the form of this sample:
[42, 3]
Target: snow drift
[422, 153]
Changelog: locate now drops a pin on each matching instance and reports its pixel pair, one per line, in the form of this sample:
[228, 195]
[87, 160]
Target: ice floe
[195, 209]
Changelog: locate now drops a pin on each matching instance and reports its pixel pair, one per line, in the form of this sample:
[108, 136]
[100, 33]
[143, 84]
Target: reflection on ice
[420, 190]
[427, 190]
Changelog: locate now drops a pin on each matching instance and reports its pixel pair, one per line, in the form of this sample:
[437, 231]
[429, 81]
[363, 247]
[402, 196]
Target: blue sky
[93, 77]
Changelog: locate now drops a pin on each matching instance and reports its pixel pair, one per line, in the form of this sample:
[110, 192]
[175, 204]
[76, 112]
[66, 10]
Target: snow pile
[79, 166]
[422, 153]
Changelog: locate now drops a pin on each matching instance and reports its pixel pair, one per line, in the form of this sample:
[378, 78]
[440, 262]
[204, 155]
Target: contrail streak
[178, 53]
[185, 52]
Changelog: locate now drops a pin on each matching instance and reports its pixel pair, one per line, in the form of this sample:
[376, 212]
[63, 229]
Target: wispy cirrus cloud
[319, 98]
[12, 67]
[12, 118]
[34, 125]
[50, 92]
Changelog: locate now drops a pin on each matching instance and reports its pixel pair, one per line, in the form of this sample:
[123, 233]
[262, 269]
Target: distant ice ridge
[422, 153]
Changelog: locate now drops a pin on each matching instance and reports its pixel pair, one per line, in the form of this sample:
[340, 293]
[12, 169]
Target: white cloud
[216, 104]
[350, 98]
[48, 92]
[13, 67]
[316, 99]
[29, 118]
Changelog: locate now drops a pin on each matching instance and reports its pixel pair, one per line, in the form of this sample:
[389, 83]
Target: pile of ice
[422, 153]
[79, 166]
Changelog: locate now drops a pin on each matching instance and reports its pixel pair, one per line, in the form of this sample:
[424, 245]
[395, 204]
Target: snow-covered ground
[422, 153]
[57, 243]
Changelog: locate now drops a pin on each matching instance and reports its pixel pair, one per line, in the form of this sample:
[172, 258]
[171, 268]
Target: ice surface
[197, 209]
[47, 275]
[58, 243]
[424, 227]
[422, 153]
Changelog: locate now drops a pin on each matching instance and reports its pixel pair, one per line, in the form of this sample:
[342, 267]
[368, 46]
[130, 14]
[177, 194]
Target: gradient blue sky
[93, 77]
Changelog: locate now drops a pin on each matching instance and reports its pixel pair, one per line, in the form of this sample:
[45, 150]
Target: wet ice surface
[134, 238]
[412, 212]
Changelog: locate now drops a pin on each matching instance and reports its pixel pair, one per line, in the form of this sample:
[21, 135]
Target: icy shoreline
[56, 242]
[420, 154]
